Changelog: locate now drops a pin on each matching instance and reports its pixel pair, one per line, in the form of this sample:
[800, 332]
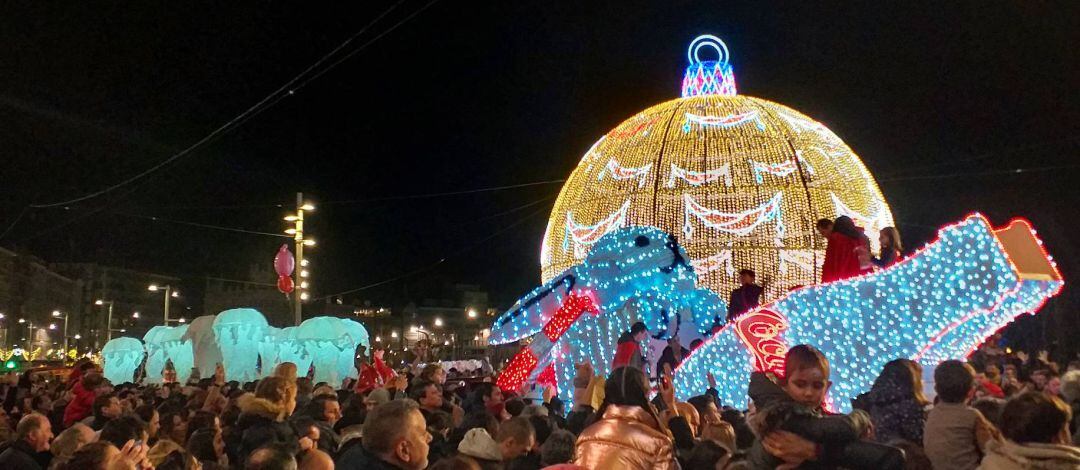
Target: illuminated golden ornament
[740, 180]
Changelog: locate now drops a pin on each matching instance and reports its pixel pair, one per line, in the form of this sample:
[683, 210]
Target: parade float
[663, 210]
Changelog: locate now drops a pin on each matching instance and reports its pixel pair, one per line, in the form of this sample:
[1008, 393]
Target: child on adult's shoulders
[793, 429]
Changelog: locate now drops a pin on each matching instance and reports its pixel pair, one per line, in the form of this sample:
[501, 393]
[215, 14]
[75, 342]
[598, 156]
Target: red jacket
[81, 405]
[842, 258]
[373, 376]
[628, 353]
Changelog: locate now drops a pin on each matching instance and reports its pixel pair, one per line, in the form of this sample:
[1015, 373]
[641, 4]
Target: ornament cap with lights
[708, 77]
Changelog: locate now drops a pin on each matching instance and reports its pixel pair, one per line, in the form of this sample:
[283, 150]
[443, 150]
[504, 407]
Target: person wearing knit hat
[479, 445]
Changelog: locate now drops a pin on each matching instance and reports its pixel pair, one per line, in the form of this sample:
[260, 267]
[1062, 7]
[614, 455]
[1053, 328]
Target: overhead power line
[288, 89]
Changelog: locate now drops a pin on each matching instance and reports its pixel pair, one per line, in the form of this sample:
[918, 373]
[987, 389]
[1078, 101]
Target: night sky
[941, 100]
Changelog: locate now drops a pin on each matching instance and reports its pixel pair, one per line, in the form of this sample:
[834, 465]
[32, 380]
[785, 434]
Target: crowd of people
[1002, 410]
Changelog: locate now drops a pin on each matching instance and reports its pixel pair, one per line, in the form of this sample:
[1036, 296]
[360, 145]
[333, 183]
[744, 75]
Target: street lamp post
[301, 273]
[57, 314]
[169, 293]
[108, 319]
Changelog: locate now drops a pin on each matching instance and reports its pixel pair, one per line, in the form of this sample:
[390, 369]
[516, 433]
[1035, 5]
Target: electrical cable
[1013, 171]
[257, 108]
[448, 193]
[437, 263]
[202, 225]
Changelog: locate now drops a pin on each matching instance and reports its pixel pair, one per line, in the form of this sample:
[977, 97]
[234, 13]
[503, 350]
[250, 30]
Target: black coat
[356, 458]
[257, 426]
[19, 456]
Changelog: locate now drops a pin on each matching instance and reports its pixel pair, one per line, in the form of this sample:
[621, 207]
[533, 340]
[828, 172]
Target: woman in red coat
[848, 252]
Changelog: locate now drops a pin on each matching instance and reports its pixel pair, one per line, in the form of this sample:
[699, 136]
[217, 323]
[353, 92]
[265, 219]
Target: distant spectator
[1036, 428]
[896, 402]
[628, 352]
[558, 448]
[745, 297]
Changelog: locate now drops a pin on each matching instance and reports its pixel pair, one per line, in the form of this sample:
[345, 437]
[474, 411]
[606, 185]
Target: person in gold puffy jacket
[627, 433]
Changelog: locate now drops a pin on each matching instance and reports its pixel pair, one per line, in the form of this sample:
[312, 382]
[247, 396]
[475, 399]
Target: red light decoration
[517, 371]
[567, 314]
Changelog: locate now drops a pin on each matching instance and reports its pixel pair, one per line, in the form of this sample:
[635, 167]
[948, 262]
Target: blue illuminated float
[742, 181]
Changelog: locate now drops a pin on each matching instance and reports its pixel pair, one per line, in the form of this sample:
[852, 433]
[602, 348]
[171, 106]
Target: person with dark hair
[427, 395]
[33, 435]
[174, 426]
[955, 434]
[708, 454]
[476, 419]
[1036, 429]
[628, 352]
[670, 358]
[439, 424]
[271, 457]
[558, 448]
[895, 402]
[123, 429]
[891, 248]
[627, 432]
[208, 447]
[324, 411]
[824, 227]
[848, 251]
[395, 437]
[152, 418]
[106, 407]
[746, 297]
[488, 397]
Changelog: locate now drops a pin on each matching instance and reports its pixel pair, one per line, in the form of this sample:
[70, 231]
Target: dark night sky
[480, 94]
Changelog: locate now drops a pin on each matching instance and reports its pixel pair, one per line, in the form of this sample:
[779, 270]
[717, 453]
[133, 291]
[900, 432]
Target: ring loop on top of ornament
[708, 77]
[693, 52]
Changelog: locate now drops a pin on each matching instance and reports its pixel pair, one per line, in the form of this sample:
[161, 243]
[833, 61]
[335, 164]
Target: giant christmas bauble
[742, 180]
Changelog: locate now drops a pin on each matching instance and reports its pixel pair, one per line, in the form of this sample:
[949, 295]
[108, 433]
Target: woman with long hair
[848, 251]
[891, 247]
[627, 432]
[896, 402]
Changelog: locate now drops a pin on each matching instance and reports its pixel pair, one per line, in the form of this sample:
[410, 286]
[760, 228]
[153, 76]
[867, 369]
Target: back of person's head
[517, 428]
[201, 444]
[541, 426]
[270, 457]
[824, 224]
[202, 419]
[515, 406]
[70, 440]
[92, 456]
[276, 389]
[123, 429]
[439, 422]
[145, 412]
[286, 370]
[386, 424]
[316, 459]
[627, 386]
[92, 380]
[846, 226]
[706, 454]
[638, 328]
[953, 381]
[902, 375]
[557, 448]
[990, 407]
[747, 272]
[804, 356]
[1035, 417]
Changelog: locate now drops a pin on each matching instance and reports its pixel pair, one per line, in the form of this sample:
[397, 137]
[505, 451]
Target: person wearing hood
[1036, 430]
[628, 353]
[262, 420]
[895, 403]
[83, 394]
[482, 448]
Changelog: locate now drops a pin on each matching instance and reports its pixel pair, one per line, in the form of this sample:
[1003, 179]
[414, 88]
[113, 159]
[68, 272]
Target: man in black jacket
[32, 435]
[395, 437]
[746, 297]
